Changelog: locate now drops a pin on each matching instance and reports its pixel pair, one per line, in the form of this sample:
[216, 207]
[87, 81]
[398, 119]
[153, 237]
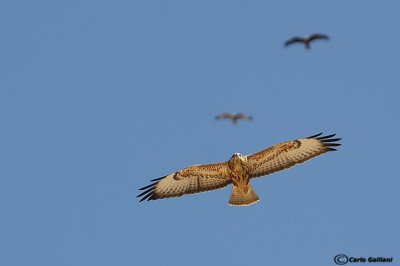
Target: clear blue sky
[99, 97]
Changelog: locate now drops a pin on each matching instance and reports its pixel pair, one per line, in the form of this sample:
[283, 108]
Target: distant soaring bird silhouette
[234, 117]
[306, 40]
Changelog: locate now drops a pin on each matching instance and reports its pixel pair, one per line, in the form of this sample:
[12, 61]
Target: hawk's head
[237, 162]
[238, 156]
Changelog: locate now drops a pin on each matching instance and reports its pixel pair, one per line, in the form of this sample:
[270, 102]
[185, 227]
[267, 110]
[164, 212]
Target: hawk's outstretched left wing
[193, 179]
[287, 154]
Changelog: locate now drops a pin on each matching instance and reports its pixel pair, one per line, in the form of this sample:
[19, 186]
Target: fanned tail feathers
[243, 196]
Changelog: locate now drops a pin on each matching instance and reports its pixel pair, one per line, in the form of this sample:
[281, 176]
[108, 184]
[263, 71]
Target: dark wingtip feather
[156, 179]
[314, 136]
[332, 144]
[146, 187]
[327, 137]
[332, 140]
[331, 149]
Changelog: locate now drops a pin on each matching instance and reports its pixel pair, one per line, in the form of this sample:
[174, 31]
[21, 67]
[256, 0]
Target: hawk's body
[242, 193]
[238, 171]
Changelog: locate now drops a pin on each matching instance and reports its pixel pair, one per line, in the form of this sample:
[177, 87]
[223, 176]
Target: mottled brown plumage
[238, 171]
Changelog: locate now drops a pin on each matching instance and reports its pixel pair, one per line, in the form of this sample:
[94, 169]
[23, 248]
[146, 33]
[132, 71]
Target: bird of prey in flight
[233, 117]
[306, 40]
[238, 171]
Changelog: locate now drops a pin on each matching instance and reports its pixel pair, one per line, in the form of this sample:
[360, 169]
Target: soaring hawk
[234, 117]
[306, 40]
[238, 171]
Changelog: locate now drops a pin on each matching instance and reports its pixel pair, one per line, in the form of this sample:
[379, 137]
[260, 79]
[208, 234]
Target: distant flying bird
[234, 117]
[238, 171]
[306, 40]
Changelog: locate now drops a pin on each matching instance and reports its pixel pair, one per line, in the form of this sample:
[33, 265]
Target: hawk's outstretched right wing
[193, 179]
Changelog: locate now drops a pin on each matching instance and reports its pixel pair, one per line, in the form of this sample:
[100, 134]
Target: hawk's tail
[243, 196]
